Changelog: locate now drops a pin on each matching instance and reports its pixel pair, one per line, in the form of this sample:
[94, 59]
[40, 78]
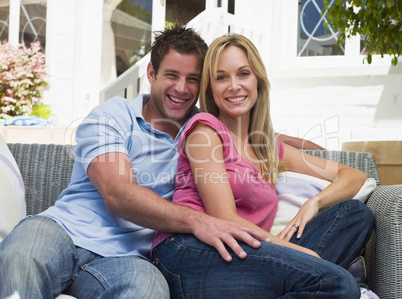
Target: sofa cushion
[12, 191]
[294, 189]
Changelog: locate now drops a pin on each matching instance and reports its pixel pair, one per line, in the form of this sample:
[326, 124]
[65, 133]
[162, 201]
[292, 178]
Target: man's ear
[150, 73]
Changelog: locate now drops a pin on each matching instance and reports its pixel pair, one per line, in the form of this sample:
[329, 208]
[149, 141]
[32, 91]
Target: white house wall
[108, 64]
[73, 57]
[60, 41]
[335, 110]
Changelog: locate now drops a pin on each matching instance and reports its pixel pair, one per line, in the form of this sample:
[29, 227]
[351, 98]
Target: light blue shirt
[115, 126]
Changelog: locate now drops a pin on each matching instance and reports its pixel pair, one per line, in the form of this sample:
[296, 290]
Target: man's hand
[218, 233]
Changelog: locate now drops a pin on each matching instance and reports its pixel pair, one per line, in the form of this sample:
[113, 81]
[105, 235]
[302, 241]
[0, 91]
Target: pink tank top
[255, 199]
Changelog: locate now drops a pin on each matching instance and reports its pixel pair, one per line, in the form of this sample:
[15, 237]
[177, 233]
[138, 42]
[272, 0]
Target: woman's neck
[238, 125]
[239, 128]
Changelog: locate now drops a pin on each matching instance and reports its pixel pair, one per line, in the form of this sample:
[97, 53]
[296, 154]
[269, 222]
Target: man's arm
[298, 143]
[113, 176]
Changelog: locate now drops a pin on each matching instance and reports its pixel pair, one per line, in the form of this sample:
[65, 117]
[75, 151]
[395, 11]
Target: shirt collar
[139, 103]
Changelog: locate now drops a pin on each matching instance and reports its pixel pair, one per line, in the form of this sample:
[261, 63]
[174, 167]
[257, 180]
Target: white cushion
[294, 189]
[12, 191]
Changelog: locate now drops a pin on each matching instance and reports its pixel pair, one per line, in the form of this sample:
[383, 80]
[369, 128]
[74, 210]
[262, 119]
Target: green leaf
[369, 58]
[379, 22]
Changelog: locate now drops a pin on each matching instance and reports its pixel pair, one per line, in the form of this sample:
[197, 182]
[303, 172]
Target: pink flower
[22, 74]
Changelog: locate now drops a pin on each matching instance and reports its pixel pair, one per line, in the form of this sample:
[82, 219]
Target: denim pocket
[175, 286]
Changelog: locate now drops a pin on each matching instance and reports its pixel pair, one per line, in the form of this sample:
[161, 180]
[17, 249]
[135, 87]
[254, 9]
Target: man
[95, 241]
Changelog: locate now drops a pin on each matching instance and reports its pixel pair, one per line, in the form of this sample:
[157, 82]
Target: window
[4, 17]
[316, 36]
[131, 23]
[183, 11]
[31, 23]
[303, 47]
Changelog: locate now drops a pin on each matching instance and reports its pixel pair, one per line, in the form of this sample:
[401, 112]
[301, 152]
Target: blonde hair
[261, 131]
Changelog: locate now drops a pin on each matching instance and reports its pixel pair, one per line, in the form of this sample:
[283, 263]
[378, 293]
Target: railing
[210, 24]
[129, 84]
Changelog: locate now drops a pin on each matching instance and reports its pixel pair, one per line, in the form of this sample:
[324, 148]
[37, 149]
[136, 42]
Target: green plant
[379, 22]
[22, 79]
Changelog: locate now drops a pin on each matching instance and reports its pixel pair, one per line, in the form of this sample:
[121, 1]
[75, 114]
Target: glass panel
[314, 39]
[231, 8]
[33, 22]
[363, 50]
[4, 17]
[131, 23]
[183, 11]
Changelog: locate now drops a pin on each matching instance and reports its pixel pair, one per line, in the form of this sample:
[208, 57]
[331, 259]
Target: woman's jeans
[38, 259]
[196, 270]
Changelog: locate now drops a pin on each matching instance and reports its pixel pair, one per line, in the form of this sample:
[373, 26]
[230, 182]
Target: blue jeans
[38, 259]
[196, 270]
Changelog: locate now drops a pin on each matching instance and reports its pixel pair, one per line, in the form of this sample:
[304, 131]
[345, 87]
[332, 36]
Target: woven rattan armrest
[384, 251]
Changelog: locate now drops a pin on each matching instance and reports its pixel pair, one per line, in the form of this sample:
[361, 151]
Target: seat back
[360, 160]
[46, 171]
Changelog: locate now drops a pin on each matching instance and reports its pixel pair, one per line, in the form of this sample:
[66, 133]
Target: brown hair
[183, 40]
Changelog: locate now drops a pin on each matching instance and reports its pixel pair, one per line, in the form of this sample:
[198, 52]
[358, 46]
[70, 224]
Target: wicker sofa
[46, 170]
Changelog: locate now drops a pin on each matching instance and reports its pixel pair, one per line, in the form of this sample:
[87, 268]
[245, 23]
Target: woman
[228, 169]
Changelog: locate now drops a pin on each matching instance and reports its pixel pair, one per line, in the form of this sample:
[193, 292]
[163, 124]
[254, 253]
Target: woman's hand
[345, 183]
[307, 212]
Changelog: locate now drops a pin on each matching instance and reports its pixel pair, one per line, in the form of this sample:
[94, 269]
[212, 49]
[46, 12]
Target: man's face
[174, 90]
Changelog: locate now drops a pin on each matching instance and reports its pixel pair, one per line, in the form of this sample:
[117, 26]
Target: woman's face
[234, 87]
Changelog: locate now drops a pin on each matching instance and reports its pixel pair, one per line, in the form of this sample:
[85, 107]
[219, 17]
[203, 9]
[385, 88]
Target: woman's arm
[345, 183]
[298, 142]
[204, 150]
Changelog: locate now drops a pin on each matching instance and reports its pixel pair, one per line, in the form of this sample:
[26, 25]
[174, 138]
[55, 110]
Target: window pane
[314, 39]
[33, 22]
[4, 16]
[183, 11]
[131, 23]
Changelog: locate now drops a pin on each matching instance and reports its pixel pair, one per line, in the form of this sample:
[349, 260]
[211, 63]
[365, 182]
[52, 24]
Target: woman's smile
[236, 100]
